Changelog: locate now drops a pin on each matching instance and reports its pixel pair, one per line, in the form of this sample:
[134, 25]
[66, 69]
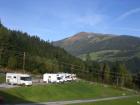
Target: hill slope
[53, 92]
[79, 43]
[83, 43]
[103, 47]
[41, 56]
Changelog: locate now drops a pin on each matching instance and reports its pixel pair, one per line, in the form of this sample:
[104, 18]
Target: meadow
[56, 92]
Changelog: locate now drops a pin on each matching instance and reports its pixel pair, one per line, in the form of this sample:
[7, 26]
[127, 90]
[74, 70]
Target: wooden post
[24, 55]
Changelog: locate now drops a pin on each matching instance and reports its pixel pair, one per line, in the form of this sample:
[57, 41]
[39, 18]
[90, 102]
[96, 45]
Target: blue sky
[57, 19]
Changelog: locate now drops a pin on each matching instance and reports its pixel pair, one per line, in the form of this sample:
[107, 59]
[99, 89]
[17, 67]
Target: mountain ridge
[79, 38]
[104, 48]
[80, 43]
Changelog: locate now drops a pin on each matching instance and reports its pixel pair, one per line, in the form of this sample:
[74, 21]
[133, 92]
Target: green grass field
[110, 55]
[100, 54]
[55, 92]
[127, 101]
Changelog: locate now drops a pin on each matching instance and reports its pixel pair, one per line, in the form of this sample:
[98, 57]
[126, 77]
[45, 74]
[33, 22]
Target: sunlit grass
[55, 92]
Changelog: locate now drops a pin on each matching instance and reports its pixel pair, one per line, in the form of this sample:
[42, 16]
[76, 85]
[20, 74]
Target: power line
[113, 74]
[73, 66]
[116, 73]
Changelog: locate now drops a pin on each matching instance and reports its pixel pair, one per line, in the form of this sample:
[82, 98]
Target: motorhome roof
[51, 73]
[17, 74]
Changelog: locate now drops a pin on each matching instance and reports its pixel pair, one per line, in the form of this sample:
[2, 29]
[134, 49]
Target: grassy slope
[111, 55]
[100, 54]
[128, 101]
[53, 92]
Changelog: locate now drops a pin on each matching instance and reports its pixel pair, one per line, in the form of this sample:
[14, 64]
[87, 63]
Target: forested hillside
[19, 51]
[104, 48]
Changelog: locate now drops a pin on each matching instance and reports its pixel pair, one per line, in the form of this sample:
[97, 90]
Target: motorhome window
[25, 78]
[49, 76]
[58, 78]
[14, 76]
[67, 76]
[8, 76]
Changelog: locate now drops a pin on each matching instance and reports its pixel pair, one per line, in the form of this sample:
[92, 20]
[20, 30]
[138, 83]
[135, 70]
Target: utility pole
[24, 55]
[72, 67]
[117, 80]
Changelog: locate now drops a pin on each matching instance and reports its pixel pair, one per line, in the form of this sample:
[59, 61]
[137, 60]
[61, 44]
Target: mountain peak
[78, 36]
[88, 36]
[84, 42]
[77, 42]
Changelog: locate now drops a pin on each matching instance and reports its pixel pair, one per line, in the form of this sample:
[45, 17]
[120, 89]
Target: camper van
[18, 79]
[58, 77]
[51, 78]
[73, 76]
[65, 77]
[62, 77]
[70, 77]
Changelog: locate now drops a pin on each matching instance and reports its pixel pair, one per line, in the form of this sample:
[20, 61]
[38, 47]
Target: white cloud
[90, 20]
[128, 13]
[122, 17]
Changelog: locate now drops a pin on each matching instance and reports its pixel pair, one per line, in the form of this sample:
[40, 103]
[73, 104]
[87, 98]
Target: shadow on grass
[6, 98]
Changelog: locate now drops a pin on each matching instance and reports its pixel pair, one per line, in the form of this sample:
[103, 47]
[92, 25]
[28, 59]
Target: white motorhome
[65, 77]
[58, 77]
[70, 77]
[62, 77]
[73, 76]
[51, 78]
[18, 79]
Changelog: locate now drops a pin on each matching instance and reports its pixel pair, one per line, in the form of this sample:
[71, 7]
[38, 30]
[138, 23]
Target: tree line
[115, 73]
[39, 53]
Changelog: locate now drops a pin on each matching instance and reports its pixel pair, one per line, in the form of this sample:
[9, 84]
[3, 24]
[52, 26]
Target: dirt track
[77, 101]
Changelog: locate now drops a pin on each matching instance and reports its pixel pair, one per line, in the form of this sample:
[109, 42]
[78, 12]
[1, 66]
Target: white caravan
[51, 78]
[62, 77]
[18, 79]
[73, 76]
[58, 77]
[70, 77]
[65, 77]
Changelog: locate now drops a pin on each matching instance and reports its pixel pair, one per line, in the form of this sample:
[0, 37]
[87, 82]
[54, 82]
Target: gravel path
[4, 85]
[77, 101]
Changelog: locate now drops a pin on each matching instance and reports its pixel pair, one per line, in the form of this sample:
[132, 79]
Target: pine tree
[137, 80]
[0, 23]
[122, 71]
[88, 57]
[12, 62]
[107, 73]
